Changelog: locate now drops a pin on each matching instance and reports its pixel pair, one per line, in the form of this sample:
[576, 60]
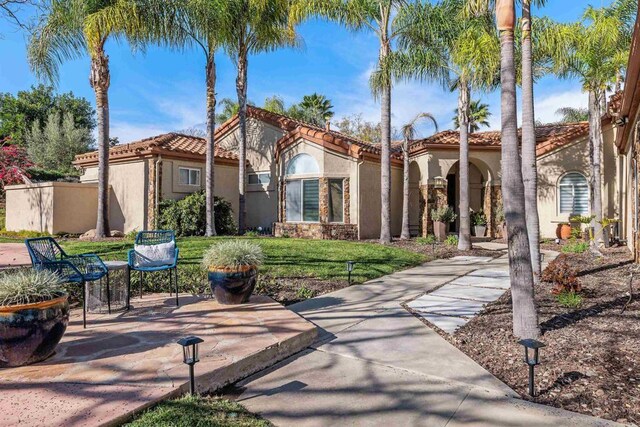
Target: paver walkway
[13, 255]
[374, 364]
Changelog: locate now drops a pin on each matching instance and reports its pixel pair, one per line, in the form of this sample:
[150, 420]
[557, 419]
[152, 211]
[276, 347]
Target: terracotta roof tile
[548, 138]
[165, 144]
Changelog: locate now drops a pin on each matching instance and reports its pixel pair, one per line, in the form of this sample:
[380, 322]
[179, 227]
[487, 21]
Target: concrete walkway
[374, 363]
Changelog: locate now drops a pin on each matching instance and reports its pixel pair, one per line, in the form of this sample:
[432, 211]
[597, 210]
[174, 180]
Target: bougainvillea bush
[13, 165]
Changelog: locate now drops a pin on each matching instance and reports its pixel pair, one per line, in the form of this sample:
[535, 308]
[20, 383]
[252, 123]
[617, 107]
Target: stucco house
[310, 181]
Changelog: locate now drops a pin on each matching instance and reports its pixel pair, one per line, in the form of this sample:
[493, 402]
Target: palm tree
[478, 116]
[593, 50]
[525, 315]
[71, 29]
[319, 105]
[437, 43]
[255, 26]
[229, 108]
[203, 23]
[529, 160]
[408, 134]
[572, 114]
[375, 16]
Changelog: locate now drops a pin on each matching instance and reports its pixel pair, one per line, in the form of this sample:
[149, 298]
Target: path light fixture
[350, 265]
[531, 345]
[557, 240]
[190, 357]
[541, 256]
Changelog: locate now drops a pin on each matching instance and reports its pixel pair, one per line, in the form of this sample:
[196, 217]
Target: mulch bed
[591, 363]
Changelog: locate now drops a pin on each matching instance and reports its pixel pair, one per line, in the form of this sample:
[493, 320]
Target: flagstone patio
[123, 363]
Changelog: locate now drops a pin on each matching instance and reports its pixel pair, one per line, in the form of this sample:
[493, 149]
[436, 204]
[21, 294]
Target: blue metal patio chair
[155, 251]
[46, 254]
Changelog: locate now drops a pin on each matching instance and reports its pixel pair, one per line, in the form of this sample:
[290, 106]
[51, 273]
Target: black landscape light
[350, 265]
[531, 360]
[541, 256]
[190, 356]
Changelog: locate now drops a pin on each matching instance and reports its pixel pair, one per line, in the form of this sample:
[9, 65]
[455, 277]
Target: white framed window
[259, 178]
[189, 176]
[303, 200]
[573, 194]
[302, 164]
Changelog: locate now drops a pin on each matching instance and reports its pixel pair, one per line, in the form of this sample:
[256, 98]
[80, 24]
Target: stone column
[282, 213]
[496, 202]
[437, 197]
[424, 210]
[151, 194]
[324, 200]
[489, 211]
[346, 197]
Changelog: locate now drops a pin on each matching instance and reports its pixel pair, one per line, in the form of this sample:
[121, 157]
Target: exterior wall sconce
[531, 345]
[439, 182]
[190, 357]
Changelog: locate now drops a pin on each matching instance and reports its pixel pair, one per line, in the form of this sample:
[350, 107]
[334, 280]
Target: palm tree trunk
[464, 239]
[595, 139]
[405, 191]
[385, 155]
[241, 89]
[211, 127]
[99, 79]
[529, 167]
[525, 316]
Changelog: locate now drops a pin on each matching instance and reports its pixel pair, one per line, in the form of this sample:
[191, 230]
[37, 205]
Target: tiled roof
[168, 144]
[548, 138]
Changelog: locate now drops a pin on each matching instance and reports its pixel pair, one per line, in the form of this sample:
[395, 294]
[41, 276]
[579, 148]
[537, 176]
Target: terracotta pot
[563, 231]
[479, 230]
[232, 286]
[30, 333]
[440, 230]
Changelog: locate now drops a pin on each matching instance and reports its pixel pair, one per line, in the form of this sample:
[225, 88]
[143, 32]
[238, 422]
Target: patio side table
[116, 283]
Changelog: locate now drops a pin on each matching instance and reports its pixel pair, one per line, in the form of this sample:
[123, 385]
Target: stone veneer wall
[323, 229]
[436, 197]
[315, 230]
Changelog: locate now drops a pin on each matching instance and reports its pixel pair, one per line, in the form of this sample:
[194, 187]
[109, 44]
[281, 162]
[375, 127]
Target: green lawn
[321, 259]
[198, 411]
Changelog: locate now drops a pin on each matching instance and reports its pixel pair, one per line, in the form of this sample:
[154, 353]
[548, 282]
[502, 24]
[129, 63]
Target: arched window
[573, 194]
[302, 164]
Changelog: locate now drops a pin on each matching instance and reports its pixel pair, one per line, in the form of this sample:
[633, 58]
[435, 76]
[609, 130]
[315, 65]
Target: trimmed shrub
[187, 216]
[451, 240]
[443, 214]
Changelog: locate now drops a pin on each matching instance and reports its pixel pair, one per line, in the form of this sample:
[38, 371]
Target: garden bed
[591, 363]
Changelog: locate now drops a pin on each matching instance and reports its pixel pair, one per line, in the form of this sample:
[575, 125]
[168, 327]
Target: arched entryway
[477, 184]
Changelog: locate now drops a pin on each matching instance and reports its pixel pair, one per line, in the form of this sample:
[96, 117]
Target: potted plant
[34, 313]
[442, 217]
[479, 220]
[233, 267]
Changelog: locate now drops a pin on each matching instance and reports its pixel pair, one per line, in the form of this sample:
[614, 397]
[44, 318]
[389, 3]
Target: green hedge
[187, 216]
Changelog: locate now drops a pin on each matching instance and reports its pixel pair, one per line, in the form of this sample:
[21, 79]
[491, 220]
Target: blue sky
[163, 90]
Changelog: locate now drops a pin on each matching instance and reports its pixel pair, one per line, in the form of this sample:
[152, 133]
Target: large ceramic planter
[30, 333]
[440, 230]
[232, 286]
[563, 231]
[479, 230]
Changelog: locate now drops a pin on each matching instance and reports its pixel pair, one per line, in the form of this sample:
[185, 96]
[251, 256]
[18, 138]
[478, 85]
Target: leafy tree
[409, 134]
[19, 112]
[594, 50]
[71, 29]
[572, 114]
[359, 128]
[478, 116]
[13, 11]
[255, 26]
[55, 144]
[525, 314]
[275, 104]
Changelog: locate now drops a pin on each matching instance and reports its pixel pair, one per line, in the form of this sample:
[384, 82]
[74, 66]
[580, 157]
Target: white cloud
[547, 105]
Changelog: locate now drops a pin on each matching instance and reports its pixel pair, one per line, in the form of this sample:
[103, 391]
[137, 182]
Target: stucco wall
[261, 201]
[53, 207]
[574, 158]
[225, 181]
[128, 198]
